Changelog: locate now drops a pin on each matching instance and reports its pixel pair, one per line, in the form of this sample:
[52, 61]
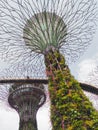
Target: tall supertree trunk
[70, 108]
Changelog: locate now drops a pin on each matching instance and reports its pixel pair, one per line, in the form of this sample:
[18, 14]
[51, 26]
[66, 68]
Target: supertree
[42, 34]
[25, 95]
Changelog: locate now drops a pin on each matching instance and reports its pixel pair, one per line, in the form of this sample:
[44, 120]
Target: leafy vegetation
[27, 126]
[70, 108]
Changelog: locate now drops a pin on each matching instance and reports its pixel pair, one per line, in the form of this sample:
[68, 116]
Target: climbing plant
[70, 108]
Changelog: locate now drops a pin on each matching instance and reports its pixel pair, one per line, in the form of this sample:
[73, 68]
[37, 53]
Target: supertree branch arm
[70, 108]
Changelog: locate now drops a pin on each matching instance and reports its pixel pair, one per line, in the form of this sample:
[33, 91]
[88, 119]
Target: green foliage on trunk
[29, 125]
[70, 108]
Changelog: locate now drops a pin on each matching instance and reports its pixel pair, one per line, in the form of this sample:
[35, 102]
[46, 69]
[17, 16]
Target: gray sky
[89, 57]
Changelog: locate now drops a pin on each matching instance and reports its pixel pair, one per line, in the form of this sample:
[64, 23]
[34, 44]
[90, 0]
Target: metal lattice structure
[66, 25]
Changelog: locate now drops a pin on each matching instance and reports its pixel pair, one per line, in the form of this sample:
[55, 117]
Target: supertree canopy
[44, 34]
[31, 27]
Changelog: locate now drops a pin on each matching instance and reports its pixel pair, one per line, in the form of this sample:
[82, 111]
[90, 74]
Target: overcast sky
[88, 60]
[9, 119]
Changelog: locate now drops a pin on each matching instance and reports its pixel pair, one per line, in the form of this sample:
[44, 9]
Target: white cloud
[85, 67]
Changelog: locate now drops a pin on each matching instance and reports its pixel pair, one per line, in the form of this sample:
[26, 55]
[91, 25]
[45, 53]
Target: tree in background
[41, 34]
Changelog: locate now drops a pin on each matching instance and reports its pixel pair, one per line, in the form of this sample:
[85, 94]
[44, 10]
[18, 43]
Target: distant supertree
[25, 95]
[39, 34]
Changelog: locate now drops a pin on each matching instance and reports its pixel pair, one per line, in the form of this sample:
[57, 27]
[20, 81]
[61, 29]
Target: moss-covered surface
[30, 125]
[70, 108]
